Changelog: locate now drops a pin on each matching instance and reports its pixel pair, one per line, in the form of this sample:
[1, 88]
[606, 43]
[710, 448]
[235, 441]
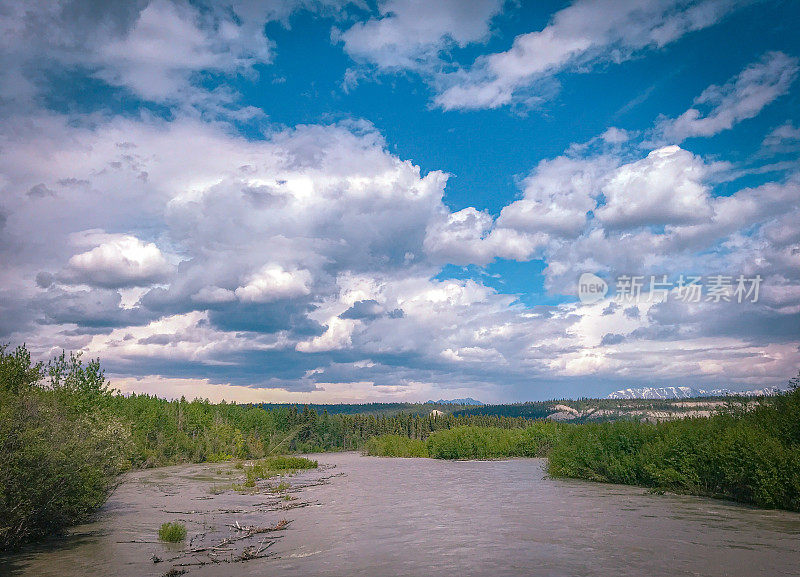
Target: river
[380, 516]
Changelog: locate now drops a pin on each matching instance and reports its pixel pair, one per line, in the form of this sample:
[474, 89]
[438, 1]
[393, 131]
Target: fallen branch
[250, 530]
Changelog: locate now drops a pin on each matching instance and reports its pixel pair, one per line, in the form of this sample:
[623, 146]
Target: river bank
[361, 515]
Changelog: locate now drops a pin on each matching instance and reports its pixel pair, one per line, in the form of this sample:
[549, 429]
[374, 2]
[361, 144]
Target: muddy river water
[378, 516]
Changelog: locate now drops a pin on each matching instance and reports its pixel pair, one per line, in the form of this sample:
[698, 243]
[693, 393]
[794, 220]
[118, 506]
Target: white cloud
[337, 335]
[118, 261]
[586, 32]
[161, 50]
[667, 187]
[786, 134]
[410, 34]
[741, 98]
[272, 283]
[557, 196]
[167, 43]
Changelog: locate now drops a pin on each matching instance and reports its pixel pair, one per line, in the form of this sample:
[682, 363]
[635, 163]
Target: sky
[325, 201]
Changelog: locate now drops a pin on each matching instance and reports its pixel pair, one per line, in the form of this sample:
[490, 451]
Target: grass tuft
[172, 532]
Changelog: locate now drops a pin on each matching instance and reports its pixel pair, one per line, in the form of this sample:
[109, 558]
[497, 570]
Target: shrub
[493, 442]
[172, 532]
[283, 463]
[274, 466]
[746, 456]
[59, 461]
[395, 446]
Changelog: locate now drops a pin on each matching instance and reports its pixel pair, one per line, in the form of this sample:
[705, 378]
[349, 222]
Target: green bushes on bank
[751, 456]
[486, 442]
[274, 466]
[746, 456]
[470, 443]
[284, 462]
[395, 446]
[60, 448]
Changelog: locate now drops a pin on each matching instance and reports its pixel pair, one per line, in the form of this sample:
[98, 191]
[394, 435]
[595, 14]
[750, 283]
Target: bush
[395, 446]
[283, 462]
[470, 442]
[274, 466]
[172, 532]
[746, 456]
[493, 442]
[58, 461]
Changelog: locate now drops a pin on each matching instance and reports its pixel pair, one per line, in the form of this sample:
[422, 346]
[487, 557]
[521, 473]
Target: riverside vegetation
[65, 436]
[745, 454]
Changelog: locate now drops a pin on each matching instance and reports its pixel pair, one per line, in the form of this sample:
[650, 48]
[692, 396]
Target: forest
[66, 436]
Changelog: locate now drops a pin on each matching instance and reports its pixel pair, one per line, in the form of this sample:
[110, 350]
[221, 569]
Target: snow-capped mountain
[765, 392]
[686, 393]
[467, 401]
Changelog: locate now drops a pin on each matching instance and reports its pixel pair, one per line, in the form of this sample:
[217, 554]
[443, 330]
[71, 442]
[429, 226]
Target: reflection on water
[427, 517]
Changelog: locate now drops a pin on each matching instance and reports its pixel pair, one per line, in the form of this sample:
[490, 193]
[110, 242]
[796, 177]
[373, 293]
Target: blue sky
[332, 201]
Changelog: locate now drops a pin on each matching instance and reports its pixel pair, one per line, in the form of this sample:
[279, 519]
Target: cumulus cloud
[117, 261]
[469, 236]
[274, 283]
[557, 196]
[309, 261]
[665, 188]
[741, 98]
[337, 335]
[581, 35]
[315, 253]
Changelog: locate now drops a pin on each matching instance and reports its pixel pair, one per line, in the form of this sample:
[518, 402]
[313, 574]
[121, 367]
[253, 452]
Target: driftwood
[214, 553]
[254, 530]
[244, 542]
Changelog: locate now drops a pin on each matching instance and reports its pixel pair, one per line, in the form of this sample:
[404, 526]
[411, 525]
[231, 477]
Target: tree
[17, 373]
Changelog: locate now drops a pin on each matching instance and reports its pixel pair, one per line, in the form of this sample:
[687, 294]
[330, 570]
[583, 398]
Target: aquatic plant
[172, 532]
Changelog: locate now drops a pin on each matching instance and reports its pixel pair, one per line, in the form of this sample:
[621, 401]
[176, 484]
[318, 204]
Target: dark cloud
[612, 339]
[368, 309]
[91, 309]
[611, 308]
[44, 279]
[267, 318]
[632, 312]
[40, 191]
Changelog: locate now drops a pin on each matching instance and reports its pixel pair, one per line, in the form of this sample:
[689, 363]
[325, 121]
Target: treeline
[386, 409]
[541, 409]
[471, 442]
[165, 432]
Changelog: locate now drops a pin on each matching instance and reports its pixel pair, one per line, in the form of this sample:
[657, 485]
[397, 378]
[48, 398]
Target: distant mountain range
[686, 393]
[467, 401]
